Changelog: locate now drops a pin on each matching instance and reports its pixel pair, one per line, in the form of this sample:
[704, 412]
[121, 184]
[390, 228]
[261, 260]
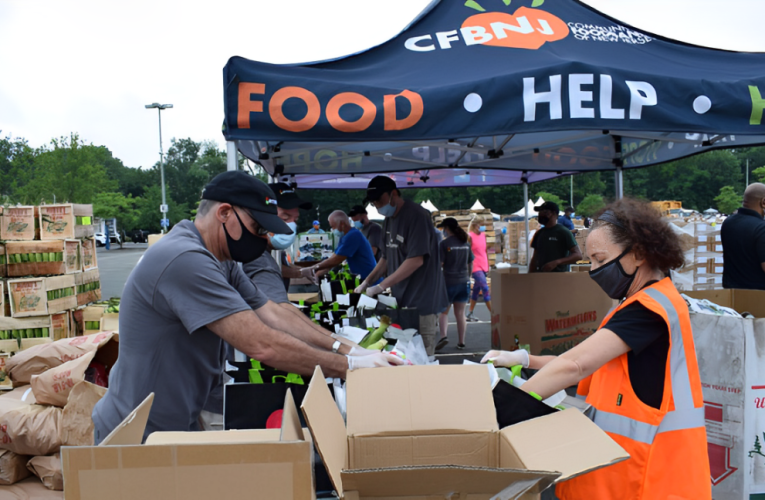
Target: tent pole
[572, 190]
[526, 220]
[619, 183]
[231, 152]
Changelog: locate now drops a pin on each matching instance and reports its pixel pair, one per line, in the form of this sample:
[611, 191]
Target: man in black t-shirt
[743, 240]
[554, 245]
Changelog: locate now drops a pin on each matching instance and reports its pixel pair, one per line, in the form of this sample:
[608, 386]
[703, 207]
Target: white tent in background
[530, 208]
[711, 211]
[539, 202]
[477, 206]
[373, 214]
[427, 205]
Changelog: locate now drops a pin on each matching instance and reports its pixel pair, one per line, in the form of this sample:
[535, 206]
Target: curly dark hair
[640, 226]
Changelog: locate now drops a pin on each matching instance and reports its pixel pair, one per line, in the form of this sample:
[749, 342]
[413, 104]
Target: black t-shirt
[647, 335]
[552, 243]
[743, 239]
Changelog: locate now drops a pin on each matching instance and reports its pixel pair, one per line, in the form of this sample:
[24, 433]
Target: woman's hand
[508, 358]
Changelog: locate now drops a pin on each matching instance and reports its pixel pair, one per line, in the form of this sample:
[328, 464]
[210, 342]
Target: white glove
[508, 358]
[308, 272]
[360, 351]
[376, 360]
[363, 286]
[374, 290]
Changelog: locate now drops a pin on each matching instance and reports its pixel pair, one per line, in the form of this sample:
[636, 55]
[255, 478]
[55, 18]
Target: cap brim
[295, 202]
[270, 222]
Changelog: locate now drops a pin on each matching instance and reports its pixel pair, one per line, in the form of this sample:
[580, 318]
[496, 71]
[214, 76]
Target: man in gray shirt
[371, 230]
[187, 297]
[271, 277]
[410, 259]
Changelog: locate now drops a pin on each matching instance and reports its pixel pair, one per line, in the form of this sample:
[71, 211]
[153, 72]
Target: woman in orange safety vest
[638, 371]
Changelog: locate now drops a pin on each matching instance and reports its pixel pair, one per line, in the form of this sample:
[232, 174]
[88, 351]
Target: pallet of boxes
[513, 240]
[703, 253]
[49, 273]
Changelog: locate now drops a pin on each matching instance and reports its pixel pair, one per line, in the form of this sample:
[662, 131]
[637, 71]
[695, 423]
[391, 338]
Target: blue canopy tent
[487, 92]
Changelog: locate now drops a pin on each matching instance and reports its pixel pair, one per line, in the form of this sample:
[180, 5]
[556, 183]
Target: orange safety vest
[667, 446]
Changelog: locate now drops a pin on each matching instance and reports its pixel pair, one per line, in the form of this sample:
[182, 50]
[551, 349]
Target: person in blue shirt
[566, 221]
[316, 228]
[353, 247]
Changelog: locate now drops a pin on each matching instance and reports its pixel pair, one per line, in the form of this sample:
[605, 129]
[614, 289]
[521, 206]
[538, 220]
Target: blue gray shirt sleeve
[194, 288]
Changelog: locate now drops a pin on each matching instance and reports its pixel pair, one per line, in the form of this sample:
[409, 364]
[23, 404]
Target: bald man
[353, 247]
[743, 239]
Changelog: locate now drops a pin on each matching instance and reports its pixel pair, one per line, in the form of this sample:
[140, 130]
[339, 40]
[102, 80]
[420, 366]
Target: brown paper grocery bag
[48, 469]
[12, 467]
[53, 386]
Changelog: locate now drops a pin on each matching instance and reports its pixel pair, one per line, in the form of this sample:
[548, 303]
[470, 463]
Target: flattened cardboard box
[426, 432]
[259, 465]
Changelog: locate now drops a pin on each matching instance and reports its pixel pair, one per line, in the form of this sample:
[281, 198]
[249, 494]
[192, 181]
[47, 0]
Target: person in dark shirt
[554, 245]
[566, 221]
[456, 260]
[743, 240]
[371, 230]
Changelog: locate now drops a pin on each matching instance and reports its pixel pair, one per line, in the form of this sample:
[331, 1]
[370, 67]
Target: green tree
[119, 206]
[759, 174]
[727, 201]
[590, 205]
[551, 197]
[68, 170]
[148, 210]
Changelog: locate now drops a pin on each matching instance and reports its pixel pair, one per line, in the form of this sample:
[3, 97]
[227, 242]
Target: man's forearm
[377, 271]
[572, 258]
[319, 332]
[248, 334]
[334, 260]
[290, 272]
[406, 269]
[301, 328]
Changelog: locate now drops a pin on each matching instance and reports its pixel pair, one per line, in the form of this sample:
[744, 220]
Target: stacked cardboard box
[703, 254]
[514, 240]
[49, 268]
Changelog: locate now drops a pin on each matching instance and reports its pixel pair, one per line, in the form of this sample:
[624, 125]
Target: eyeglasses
[261, 231]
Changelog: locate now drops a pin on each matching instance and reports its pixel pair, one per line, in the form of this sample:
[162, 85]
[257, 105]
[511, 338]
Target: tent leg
[231, 156]
[619, 183]
[526, 220]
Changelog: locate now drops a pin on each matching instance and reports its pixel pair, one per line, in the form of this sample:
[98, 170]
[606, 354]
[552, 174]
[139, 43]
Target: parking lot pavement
[115, 265]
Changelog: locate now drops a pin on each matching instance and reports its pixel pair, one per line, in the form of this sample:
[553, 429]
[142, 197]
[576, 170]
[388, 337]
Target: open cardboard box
[430, 432]
[255, 464]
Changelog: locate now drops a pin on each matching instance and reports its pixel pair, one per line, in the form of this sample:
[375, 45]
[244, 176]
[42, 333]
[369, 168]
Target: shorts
[458, 293]
[480, 285]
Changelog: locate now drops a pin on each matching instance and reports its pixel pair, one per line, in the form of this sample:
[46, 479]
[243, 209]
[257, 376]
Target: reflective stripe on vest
[684, 416]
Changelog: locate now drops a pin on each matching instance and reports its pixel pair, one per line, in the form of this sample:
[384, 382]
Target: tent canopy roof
[553, 88]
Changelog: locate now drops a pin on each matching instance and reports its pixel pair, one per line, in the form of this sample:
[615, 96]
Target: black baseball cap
[357, 210]
[287, 197]
[244, 190]
[449, 222]
[548, 205]
[378, 186]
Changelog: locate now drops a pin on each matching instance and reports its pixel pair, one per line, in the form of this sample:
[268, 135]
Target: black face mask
[543, 219]
[248, 247]
[612, 278]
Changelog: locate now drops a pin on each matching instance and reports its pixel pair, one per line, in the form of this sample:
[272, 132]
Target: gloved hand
[508, 358]
[360, 351]
[376, 360]
[310, 273]
[363, 286]
[374, 290]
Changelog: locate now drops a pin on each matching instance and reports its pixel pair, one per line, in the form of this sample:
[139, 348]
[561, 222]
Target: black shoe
[460, 346]
[442, 343]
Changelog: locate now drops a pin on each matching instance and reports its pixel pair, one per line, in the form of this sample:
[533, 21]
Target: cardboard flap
[327, 427]
[442, 482]
[418, 400]
[130, 430]
[291, 430]
[214, 437]
[566, 441]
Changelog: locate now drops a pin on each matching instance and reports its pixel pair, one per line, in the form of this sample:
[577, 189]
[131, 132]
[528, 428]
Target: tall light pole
[160, 107]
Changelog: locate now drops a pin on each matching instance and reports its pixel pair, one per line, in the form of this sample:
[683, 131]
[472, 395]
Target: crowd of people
[220, 283]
